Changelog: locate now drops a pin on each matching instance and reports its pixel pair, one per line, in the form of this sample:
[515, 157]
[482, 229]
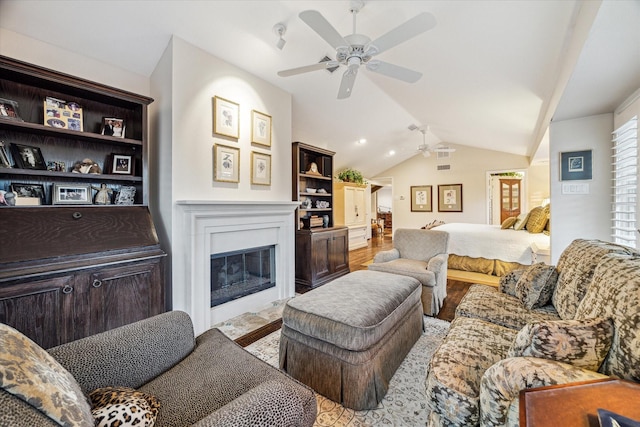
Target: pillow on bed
[538, 218]
[521, 221]
[509, 222]
[535, 286]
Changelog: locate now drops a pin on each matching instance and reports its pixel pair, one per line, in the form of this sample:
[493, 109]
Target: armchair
[421, 254]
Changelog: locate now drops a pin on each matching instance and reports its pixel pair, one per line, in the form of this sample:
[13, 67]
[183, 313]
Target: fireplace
[209, 229]
[240, 273]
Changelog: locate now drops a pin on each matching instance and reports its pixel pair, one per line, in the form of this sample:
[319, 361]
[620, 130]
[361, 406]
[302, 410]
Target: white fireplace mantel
[212, 227]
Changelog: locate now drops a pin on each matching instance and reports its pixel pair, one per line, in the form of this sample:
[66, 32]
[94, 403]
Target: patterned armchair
[421, 254]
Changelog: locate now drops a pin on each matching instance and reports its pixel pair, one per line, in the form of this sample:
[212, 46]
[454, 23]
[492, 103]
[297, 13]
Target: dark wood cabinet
[321, 256]
[322, 249]
[70, 270]
[66, 273]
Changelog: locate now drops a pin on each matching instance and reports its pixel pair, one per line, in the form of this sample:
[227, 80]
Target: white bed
[492, 243]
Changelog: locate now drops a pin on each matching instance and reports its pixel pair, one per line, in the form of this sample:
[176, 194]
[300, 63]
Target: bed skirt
[493, 267]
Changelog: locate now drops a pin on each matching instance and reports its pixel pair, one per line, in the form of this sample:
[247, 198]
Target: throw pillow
[509, 222]
[521, 221]
[123, 406]
[507, 284]
[538, 218]
[581, 343]
[31, 374]
[536, 285]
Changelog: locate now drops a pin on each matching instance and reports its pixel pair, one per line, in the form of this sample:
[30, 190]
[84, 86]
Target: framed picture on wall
[260, 168]
[226, 117]
[226, 163]
[260, 128]
[575, 165]
[450, 198]
[421, 198]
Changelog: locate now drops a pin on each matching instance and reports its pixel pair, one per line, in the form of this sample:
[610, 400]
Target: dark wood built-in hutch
[321, 248]
[69, 271]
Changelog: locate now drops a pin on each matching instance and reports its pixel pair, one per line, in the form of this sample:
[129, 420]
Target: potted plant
[351, 175]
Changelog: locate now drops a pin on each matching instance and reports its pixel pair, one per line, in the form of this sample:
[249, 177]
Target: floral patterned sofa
[543, 325]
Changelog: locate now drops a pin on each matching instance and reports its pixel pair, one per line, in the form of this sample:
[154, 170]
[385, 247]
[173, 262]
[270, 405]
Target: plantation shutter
[625, 183]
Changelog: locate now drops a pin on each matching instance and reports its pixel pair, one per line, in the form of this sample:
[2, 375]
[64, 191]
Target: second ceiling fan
[355, 49]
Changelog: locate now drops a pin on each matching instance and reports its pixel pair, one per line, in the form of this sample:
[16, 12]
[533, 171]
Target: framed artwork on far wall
[226, 117]
[260, 128]
[575, 165]
[421, 198]
[226, 163]
[260, 168]
[450, 198]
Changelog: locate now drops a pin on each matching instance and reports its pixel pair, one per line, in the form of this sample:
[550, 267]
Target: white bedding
[491, 242]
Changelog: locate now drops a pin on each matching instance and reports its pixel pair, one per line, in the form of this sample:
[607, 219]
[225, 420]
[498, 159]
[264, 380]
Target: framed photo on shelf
[260, 128]
[62, 114]
[260, 168]
[113, 127]
[28, 194]
[28, 157]
[72, 194]
[121, 164]
[450, 198]
[226, 117]
[226, 163]
[421, 198]
[9, 110]
[575, 165]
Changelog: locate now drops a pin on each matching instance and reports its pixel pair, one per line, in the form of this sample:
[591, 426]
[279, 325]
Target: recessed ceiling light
[362, 141]
[392, 152]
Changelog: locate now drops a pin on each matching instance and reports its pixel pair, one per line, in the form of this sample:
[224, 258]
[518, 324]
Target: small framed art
[72, 194]
[9, 110]
[260, 128]
[421, 198]
[121, 164]
[260, 168]
[113, 127]
[226, 163]
[575, 165]
[28, 194]
[62, 114]
[226, 117]
[450, 198]
[28, 157]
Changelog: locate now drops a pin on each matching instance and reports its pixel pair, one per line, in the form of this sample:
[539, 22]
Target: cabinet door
[355, 210]
[321, 255]
[118, 296]
[43, 310]
[339, 253]
[509, 198]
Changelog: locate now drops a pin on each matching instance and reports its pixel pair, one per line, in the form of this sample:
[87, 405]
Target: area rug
[405, 402]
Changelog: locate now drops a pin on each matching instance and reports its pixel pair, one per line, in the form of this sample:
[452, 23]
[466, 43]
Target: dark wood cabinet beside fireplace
[322, 249]
[66, 273]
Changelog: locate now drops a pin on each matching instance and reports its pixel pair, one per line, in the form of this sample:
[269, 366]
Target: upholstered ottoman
[347, 338]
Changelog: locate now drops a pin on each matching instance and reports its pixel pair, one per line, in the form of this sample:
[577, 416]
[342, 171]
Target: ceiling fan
[357, 49]
[427, 149]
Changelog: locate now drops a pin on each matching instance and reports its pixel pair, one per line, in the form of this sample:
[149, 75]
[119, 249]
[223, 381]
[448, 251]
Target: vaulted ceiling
[494, 72]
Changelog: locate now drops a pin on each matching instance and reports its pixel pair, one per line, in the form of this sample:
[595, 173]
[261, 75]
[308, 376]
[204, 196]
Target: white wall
[581, 215]
[185, 82]
[36, 52]
[468, 167]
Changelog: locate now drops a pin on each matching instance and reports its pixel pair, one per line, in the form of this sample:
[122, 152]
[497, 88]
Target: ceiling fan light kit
[279, 29]
[355, 49]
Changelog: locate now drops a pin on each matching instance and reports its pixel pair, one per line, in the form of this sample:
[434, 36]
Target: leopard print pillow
[123, 406]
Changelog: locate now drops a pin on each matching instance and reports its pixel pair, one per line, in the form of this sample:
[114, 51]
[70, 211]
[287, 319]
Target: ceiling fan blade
[444, 150]
[395, 71]
[320, 25]
[348, 79]
[414, 26]
[307, 68]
